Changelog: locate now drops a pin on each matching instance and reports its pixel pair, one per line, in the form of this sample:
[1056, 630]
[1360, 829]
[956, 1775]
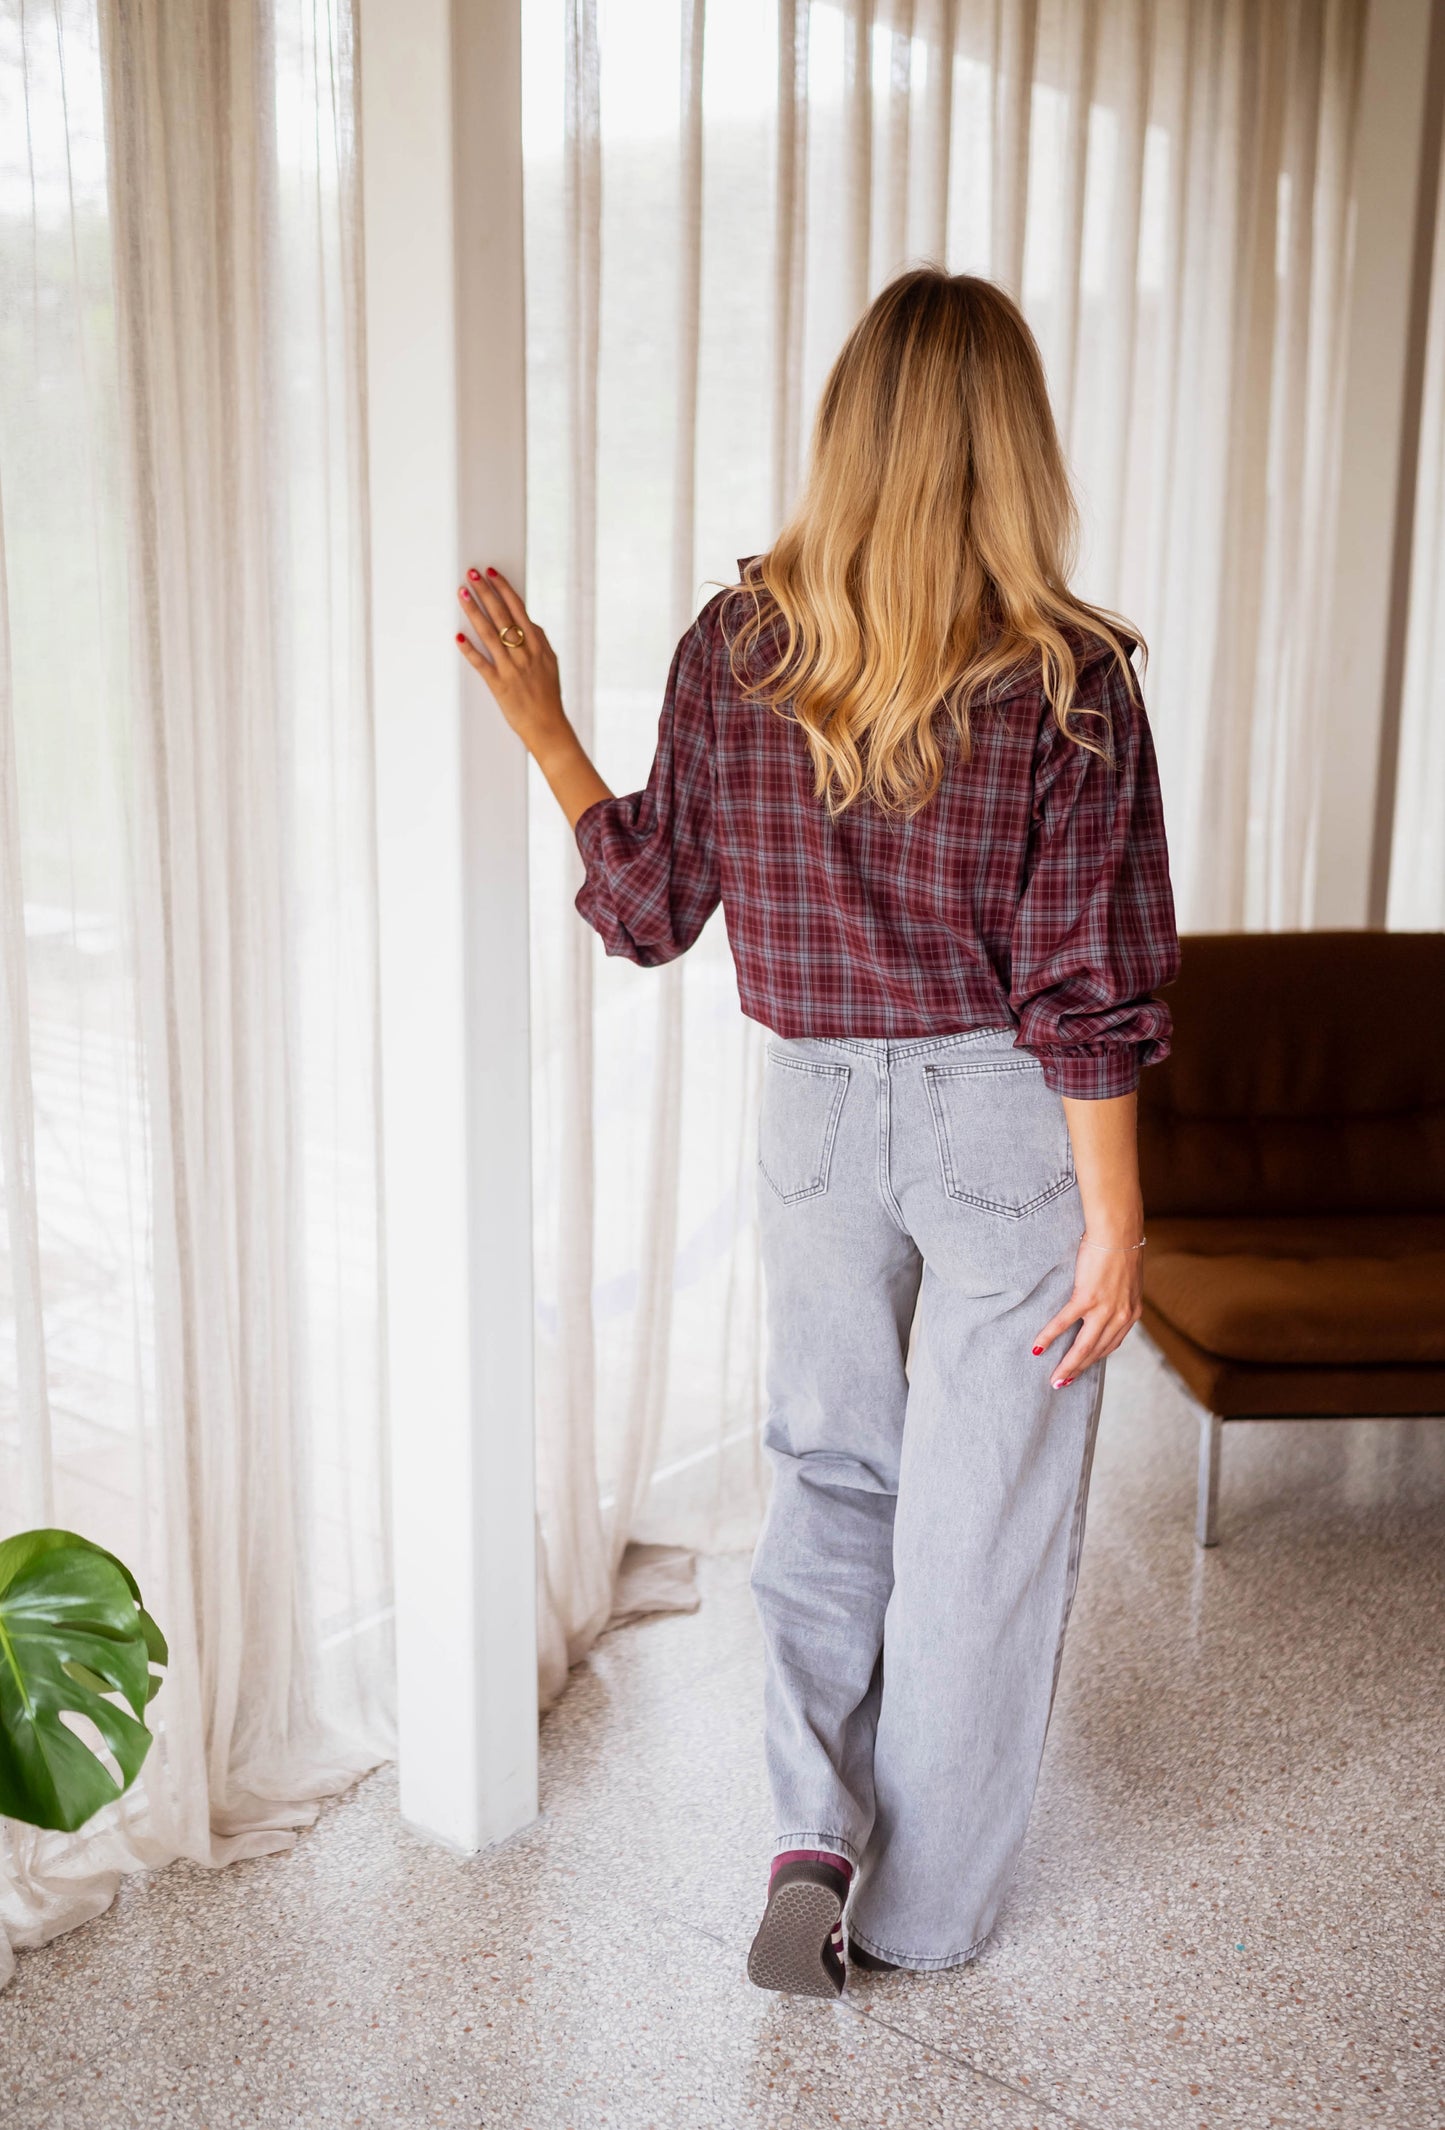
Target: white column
[441, 155]
[1367, 610]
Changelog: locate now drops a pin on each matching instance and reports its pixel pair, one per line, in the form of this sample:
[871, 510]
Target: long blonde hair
[927, 562]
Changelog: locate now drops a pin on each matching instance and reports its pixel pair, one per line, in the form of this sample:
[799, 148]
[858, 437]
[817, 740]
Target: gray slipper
[799, 1945]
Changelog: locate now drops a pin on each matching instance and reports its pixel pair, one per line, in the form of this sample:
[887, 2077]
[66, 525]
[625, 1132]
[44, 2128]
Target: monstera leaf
[73, 1632]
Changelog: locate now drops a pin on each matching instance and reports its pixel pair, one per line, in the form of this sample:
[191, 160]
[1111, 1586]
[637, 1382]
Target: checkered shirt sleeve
[1094, 929]
[651, 861]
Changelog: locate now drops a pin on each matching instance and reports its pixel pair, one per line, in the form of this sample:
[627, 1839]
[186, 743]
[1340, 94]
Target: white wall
[445, 356]
[1381, 421]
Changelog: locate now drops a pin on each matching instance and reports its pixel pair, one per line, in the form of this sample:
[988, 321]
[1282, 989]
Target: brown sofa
[1293, 1158]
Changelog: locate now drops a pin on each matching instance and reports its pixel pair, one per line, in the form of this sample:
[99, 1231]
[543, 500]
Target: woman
[917, 773]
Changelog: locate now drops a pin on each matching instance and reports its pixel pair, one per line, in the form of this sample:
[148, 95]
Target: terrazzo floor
[1231, 1908]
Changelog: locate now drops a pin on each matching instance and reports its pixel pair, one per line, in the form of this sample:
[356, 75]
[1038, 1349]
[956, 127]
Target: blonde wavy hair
[926, 566]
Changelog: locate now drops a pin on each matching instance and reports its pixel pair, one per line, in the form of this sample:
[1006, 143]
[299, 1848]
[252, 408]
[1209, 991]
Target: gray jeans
[918, 1559]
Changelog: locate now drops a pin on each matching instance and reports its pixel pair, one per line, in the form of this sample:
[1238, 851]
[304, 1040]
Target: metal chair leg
[1211, 1436]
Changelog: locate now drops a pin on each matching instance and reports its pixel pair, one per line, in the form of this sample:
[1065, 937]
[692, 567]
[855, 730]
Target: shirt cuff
[1092, 1075]
[588, 826]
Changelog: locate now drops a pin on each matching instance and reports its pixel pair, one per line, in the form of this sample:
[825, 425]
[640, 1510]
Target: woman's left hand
[520, 667]
[515, 660]
[1108, 1289]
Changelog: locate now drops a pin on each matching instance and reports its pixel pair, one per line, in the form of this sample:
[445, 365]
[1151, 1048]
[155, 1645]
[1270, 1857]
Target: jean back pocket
[1003, 1141]
[802, 1101]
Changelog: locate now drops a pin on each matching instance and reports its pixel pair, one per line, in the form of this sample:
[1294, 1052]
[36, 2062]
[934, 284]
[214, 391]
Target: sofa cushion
[1336, 1311]
[1295, 1235]
[1307, 1076]
[1194, 1270]
[1254, 1390]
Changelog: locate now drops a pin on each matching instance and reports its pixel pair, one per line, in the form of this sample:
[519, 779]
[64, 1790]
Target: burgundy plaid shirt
[1032, 890]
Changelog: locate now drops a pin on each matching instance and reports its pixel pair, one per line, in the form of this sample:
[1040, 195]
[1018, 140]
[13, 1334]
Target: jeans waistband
[888, 1048]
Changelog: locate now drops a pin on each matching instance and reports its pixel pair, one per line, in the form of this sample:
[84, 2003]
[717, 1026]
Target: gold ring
[514, 638]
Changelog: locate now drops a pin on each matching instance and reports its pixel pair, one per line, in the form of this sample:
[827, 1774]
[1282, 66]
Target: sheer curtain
[190, 1318]
[713, 193]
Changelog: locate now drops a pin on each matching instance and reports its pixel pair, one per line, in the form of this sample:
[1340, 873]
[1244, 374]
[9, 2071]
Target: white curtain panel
[190, 1320]
[713, 194]
[1417, 855]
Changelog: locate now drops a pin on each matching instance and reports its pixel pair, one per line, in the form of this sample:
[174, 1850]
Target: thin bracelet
[1086, 1244]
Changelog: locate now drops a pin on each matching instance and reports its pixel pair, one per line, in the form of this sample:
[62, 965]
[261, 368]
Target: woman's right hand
[1106, 1304]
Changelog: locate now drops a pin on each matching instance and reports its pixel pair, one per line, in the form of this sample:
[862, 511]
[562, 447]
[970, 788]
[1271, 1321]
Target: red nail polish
[460, 637]
[491, 573]
[474, 577]
[1037, 1349]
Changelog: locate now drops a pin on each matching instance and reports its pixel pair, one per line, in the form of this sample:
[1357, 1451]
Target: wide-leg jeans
[919, 1223]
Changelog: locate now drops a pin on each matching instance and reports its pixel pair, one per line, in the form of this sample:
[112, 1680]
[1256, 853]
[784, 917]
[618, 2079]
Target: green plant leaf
[72, 1634]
